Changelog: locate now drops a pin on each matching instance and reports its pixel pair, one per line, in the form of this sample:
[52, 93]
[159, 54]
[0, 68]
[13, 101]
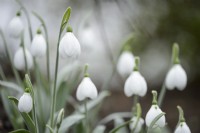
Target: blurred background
[102, 27]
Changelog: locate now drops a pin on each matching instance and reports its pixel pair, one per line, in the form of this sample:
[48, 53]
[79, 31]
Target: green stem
[55, 82]
[162, 95]
[30, 86]
[24, 51]
[137, 64]
[181, 114]
[47, 41]
[27, 17]
[86, 117]
[155, 95]
[135, 101]
[9, 58]
[175, 54]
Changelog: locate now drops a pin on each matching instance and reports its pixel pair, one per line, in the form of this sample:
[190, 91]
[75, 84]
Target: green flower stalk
[62, 27]
[182, 127]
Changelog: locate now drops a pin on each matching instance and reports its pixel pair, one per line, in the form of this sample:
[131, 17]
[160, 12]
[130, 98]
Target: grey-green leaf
[11, 86]
[119, 127]
[70, 121]
[20, 131]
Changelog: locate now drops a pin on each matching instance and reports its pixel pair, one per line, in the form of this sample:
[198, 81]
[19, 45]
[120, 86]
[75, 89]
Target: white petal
[69, 46]
[139, 125]
[38, 46]
[19, 61]
[152, 114]
[25, 103]
[135, 84]
[176, 78]
[182, 128]
[181, 78]
[86, 89]
[125, 64]
[15, 26]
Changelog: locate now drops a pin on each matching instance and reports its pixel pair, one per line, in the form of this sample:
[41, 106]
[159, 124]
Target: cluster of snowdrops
[51, 118]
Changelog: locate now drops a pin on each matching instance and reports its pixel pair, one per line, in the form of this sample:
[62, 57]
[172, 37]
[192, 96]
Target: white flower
[125, 64]
[86, 89]
[15, 26]
[152, 114]
[135, 84]
[139, 125]
[69, 46]
[176, 78]
[182, 128]
[19, 60]
[38, 46]
[25, 103]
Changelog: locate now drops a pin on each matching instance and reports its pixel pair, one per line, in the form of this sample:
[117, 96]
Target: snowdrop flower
[182, 126]
[139, 124]
[19, 60]
[154, 112]
[176, 77]
[25, 103]
[86, 88]
[125, 64]
[16, 26]
[135, 84]
[69, 45]
[38, 46]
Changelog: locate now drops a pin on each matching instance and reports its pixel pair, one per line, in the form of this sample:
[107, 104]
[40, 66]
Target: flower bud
[25, 103]
[19, 60]
[69, 46]
[135, 84]
[38, 46]
[139, 124]
[86, 89]
[182, 128]
[15, 26]
[125, 64]
[176, 78]
[60, 118]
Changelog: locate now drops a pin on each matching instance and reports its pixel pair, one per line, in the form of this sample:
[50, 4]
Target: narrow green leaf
[26, 117]
[11, 86]
[155, 120]
[65, 18]
[121, 126]
[70, 121]
[49, 128]
[20, 131]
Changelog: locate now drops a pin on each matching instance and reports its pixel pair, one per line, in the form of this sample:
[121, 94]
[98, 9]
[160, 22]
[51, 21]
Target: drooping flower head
[176, 77]
[38, 46]
[153, 112]
[69, 46]
[135, 84]
[86, 88]
[16, 26]
[125, 63]
[25, 102]
[20, 60]
[182, 126]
